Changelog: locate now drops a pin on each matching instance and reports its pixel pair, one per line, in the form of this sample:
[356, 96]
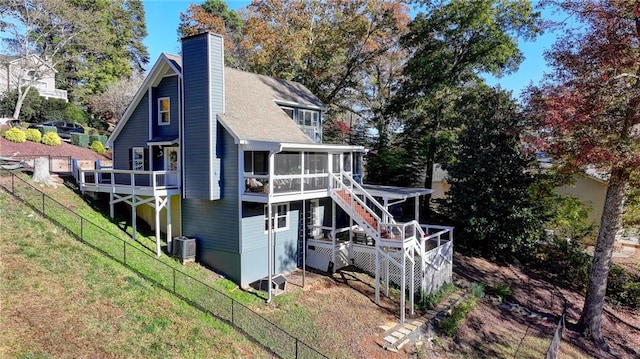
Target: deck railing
[157, 180]
[284, 185]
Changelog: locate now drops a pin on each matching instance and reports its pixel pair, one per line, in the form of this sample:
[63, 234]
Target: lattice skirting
[434, 276]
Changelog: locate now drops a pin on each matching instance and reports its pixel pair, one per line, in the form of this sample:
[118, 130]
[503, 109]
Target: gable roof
[164, 64]
[251, 104]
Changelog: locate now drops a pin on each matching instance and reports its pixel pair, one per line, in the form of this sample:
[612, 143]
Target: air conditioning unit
[184, 248]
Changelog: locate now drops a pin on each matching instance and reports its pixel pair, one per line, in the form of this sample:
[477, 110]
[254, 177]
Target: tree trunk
[21, 96]
[590, 323]
[41, 172]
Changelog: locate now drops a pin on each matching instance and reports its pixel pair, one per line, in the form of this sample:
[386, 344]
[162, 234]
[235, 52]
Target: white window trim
[160, 123]
[275, 218]
[133, 158]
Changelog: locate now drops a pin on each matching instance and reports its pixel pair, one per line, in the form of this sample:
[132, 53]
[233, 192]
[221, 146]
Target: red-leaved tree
[588, 111]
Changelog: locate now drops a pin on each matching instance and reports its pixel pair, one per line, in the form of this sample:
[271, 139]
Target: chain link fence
[182, 285]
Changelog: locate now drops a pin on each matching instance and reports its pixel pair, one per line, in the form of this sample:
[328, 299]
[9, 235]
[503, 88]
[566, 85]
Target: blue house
[236, 161]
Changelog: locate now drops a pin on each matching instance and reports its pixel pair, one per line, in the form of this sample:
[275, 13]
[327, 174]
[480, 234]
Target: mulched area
[29, 149]
[621, 327]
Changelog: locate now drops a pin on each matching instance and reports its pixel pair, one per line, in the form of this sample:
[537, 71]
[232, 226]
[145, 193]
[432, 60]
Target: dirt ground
[490, 331]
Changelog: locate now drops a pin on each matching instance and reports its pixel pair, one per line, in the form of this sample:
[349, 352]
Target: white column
[385, 218]
[111, 209]
[377, 274]
[412, 285]
[269, 247]
[403, 285]
[386, 275]
[157, 225]
[304, 242]
[169, 229]
[333, 233]
[417, 209]
[134, 228]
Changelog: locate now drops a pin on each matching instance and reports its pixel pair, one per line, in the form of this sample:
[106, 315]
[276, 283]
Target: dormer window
[164, 115]
[307, 120]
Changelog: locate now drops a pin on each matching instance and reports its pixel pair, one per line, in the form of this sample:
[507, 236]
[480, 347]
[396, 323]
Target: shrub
[48, 129]
[33, 135]
[97, 147]
[15, 135]
[427, 301]
[80, 139]
[51, 139]
[449, 325]
[622, 288]
[477, 290]
[501, 291]
[96, 137]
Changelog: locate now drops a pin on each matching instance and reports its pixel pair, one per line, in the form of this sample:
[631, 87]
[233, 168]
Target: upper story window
[308, 120]
[164, 115]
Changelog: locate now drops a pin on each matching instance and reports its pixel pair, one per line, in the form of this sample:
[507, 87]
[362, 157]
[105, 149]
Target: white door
[172, 163]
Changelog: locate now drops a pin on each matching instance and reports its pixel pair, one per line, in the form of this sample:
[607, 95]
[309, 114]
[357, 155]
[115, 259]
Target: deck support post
[134, 229]
[412, 285]
[304, 242]
[269, 249]
[111, 207]
[403, 284]
[417, 209]
[333, 233]
[157, 224]
[386, 275]
[169, 227]
[377, 274]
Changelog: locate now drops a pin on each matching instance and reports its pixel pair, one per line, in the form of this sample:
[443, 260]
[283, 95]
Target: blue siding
[134, 134]
[254, 243]
[203, 99]
[168, 87]
[215, 224]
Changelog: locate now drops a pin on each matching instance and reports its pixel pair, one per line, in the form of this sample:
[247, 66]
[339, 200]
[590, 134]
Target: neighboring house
[590, 187]
[236, 161]
[40, 74]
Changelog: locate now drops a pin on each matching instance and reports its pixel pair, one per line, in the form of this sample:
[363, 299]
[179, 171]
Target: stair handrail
[357, 199]
[369, 197]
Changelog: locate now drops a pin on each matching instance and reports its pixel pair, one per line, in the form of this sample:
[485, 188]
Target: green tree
[111, 50]
[453, 43]
[215, 16]
[490, 196]
[587, 111]
[36, 33]
[37, 109]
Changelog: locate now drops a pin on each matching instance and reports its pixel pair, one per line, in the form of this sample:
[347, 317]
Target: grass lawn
[60, 298]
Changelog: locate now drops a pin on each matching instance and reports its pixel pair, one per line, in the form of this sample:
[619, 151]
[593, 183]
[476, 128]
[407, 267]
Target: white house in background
[34, 71]
[590, 187]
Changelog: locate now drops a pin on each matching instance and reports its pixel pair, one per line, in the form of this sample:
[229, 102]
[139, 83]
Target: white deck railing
[155, 180]
[285, 185]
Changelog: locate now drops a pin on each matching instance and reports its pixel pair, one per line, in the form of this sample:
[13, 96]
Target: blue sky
[163, 16]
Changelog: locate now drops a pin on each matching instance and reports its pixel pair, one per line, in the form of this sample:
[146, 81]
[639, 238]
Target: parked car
[65, 128]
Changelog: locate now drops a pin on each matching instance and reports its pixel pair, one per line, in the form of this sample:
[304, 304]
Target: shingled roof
[251, 106]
